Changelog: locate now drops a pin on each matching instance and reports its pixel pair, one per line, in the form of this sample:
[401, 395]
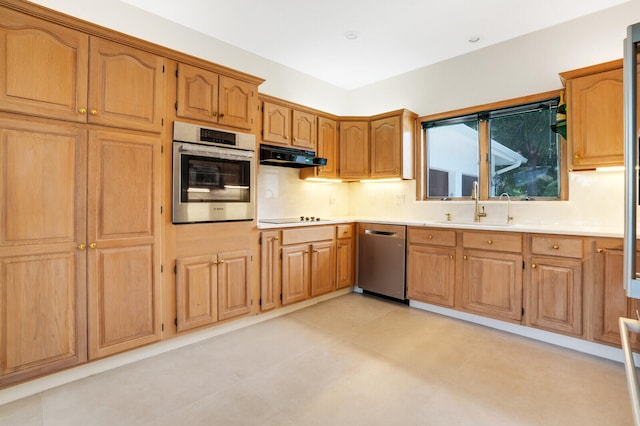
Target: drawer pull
[451, 256]
[600, 250]
[430, 237]
[489, 242]
[555, 247]
[534, 266]
[465, 257]
[82, 246]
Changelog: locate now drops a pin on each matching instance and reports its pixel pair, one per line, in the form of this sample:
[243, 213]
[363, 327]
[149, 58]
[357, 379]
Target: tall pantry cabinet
[80, 128]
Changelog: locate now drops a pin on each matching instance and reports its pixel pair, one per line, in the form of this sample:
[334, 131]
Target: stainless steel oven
[213, 174]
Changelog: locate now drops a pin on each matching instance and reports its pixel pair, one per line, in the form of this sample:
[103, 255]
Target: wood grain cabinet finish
[595, 115]
[211, 288]
[269, 269]
[354, 149]
[555, 284]
[43, 279]
[327, 147]
[207, 96]
[610, 301]
[123, 229]
[345, 256]
[431, 266]
[386, 147]
[295, 273]
[47, 74]
[288, 126]
[491, 281]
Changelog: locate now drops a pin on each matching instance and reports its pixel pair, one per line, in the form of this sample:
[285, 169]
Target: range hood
[289, 157]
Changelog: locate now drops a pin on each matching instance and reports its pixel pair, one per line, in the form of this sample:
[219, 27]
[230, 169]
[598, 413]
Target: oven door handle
[218, 153]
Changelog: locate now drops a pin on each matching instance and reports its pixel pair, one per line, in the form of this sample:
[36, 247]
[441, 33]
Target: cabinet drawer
[307, 235]
[344, 231]
[557, 246]
[494, 241]
[438, 237]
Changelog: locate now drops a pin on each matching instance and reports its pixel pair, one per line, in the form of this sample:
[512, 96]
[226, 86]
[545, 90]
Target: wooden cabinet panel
[276, 124]
[196, 292]
[126, 87]
[295, 273]
[269, 269]
[495, 241]
[307, 234]
[354, 149]
[122, 229]
[327, 147]
[44, 67]
[197, 93]
[386, 147]
[234, 294]
[235, 103]
[345, 255]
[431, 274]
[303, 130]
[440, 237]
[553, 245]
[42, 271]
[492, 284]
[556, 294]
[323, 272]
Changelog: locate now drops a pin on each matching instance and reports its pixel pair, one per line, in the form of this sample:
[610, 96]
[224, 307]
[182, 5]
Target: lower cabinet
[269, 270]
[211, 288]
[431, 266]
[491, 282]
[345, 256]
[555, 284]
[610, 301]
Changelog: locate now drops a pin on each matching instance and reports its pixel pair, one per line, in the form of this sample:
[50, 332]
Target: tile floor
[353, 360]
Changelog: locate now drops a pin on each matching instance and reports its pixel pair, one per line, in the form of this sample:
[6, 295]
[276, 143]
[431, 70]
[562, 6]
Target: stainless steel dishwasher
[381, 259]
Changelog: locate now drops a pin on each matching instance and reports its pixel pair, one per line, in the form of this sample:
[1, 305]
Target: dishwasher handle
[385, 233]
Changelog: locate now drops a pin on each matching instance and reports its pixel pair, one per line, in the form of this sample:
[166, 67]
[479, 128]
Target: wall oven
[213, 174]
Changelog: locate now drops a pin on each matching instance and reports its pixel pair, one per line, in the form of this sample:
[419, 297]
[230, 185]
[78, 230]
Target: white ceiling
[394, 36]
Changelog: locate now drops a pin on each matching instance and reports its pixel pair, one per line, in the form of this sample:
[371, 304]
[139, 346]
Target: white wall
[523, 66]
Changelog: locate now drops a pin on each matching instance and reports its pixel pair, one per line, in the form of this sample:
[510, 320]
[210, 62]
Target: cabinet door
[610, 300]
[126, 87]
[236, 103]
[197, 94]
[196, 292]
[386, 147]
[328, 147]
[595, 118]
[354, 150]
[276, 122]
[295, 273]
[555, 300]
[269, 269]
[44, 68]
[234, 294]
[492, 284]
[123, 228]
[431, 274]
[42, 266]
[303, 130]
[345, 263]
[323, 272]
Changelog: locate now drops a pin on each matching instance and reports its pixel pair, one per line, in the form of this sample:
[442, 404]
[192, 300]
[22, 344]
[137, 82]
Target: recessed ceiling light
[474, 39]
[351, 35]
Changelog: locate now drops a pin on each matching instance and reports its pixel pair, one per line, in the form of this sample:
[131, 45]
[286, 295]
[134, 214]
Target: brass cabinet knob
[395, 170]
[93, 245]
[534, 266]
[82, 246]
[215, 113]
[465, 257]
[451, 256]
[306, 251]
[490, 242]
[555, 247]
[221, 262]
[430, 237]
[215, 262]
[220, 115]
[82, 110]
[276, 238]
[93, 112]
[600, 250]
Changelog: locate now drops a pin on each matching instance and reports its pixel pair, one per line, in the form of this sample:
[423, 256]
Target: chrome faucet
[509, 217]
[475, 195]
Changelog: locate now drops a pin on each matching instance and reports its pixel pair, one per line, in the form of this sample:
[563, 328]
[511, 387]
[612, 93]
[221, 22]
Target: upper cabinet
[379, 148]
[327, 147]
[47, 74]
[282, 125]
[213, 98]
[595, 115]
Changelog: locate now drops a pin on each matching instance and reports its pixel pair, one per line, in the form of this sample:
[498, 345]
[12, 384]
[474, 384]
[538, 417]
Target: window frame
[484, 148]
